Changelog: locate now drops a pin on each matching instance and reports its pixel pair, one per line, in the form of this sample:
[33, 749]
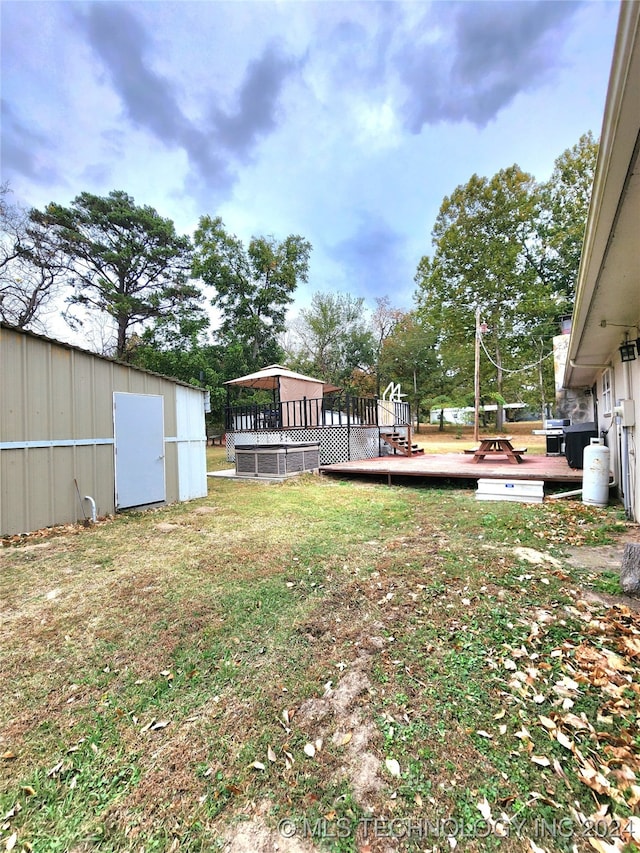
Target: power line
[516, 370]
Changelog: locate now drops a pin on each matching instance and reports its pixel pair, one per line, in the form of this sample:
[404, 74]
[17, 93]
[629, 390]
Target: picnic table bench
[215, 438]
[497, 445]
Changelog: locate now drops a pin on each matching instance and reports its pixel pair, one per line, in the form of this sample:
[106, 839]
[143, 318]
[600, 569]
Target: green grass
[151, 661]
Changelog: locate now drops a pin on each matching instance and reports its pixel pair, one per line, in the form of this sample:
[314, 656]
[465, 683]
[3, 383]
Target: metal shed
[76, 426]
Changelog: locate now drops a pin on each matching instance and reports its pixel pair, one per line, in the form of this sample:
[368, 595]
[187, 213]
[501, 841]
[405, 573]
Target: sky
[344, 122]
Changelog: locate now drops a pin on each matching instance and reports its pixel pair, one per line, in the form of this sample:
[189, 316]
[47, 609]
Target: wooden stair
[400, 444]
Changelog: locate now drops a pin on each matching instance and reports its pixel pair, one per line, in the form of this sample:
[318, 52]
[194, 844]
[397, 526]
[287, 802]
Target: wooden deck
[550, 469]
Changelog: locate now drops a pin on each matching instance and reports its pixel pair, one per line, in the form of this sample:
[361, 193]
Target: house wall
[620, 435]
[56, 430]
[597, 403]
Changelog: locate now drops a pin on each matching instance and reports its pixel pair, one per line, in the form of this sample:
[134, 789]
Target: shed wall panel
[37, 487]
[85, 400]
[101, 398]
[171, 470]
[13, 492]
[61, 392]
[12, 383]
[38, 423]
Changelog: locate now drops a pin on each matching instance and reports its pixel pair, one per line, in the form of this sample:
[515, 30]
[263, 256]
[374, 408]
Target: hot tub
[276, 460]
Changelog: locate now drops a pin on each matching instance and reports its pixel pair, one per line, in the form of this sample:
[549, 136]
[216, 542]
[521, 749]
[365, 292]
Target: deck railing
[339, 410]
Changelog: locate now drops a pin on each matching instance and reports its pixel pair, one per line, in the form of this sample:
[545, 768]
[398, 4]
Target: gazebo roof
[269, 378]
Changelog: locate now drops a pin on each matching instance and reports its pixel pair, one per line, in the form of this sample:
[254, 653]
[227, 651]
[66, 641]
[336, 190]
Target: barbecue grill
[554, 432]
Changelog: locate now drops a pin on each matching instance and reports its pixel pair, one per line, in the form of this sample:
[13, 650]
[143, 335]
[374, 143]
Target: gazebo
[303, 409]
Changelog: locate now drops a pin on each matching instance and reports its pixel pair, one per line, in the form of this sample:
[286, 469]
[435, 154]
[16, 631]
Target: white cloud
[344, 122]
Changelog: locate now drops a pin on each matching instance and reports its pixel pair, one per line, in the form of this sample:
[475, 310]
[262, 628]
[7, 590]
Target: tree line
[507, 246]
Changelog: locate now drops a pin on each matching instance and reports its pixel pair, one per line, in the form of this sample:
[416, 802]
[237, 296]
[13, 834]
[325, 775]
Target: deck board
[550, 469]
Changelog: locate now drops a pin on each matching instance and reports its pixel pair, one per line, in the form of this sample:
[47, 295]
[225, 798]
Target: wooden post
[476, 381]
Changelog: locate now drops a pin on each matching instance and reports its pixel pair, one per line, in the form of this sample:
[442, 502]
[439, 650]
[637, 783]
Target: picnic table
[497, 445]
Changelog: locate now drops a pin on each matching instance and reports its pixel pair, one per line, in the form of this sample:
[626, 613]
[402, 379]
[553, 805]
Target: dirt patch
[254, 836]
[597, 558]
[605, 558]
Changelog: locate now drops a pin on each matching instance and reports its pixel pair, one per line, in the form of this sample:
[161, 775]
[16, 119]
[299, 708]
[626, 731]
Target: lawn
[317, 665]
[454, 439]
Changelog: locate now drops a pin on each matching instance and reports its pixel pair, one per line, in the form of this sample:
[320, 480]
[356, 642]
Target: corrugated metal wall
[56, 426]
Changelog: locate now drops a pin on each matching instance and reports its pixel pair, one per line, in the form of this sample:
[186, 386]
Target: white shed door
[139, 449]
[192, 444]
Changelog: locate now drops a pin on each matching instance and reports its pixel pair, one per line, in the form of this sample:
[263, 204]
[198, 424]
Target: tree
[564, 201]
[177, 349]
[127, 261]
[408, 356]
[333, 338]
[31, 269]
[383, 322]
[253, 287]
[481, 238]
[181, 349]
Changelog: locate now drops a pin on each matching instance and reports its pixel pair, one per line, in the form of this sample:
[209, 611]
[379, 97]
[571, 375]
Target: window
[606, 392]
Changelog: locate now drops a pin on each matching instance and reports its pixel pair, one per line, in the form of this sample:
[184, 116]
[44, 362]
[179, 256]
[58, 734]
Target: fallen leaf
[523, 734]
[576, 722]
[344, 740]
[616, 662]
[482, 733]
[271, 754]
[11, 841]
[603, 846]
[392, 766]
[557, 769]
[594, 780]
[258, 765]
[563, 740]
[542, 760]
[485, 810]
[634, 799]
[161, 724]
[309, 749]
[547, 722]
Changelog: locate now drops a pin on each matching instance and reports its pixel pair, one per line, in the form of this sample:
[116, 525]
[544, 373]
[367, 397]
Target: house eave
[607, 304]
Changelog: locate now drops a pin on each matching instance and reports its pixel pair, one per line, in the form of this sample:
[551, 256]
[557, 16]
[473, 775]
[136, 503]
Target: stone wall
[573, 403]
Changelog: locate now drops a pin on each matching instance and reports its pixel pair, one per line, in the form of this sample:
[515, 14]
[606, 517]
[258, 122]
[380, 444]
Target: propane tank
[595, 475]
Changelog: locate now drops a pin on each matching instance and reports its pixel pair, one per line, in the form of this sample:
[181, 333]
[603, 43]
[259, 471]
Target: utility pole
[476, 376]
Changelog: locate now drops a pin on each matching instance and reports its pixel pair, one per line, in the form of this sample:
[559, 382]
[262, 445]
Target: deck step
[399, 443]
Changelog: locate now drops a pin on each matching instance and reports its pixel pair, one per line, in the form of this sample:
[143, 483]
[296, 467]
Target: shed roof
[268, 379]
